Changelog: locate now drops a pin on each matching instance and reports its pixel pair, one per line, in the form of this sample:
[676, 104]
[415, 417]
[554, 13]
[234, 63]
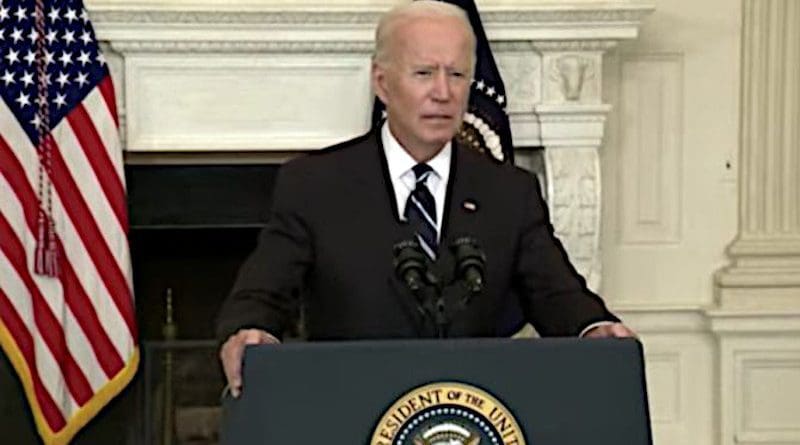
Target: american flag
[67, 319]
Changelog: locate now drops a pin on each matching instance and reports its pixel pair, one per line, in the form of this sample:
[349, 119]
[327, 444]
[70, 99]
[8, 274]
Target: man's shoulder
[334, 155]
[490, 170]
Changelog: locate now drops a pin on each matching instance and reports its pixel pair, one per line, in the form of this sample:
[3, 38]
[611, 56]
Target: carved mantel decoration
[256, 79]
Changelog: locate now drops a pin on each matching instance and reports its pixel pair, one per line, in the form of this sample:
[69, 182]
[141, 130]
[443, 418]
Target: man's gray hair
[416, 9]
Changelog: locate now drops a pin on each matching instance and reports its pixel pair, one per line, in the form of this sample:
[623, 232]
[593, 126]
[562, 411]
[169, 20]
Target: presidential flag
[67, 319]
[486, 127]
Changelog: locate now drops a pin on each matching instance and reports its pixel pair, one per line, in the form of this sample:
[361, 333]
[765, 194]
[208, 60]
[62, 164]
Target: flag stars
[21, 13]
[51, 37]
[36, 121]
[48, 57]
[85, 16]
[22, 100]
[41, 101]
[101, 59]
[69, 37]
[8, 78]
[84, 58]
[66, 58]
[30, 57]
[490, 91]
[501, 100]
[33, 35]
[27, 78]
[86, 38]
[54, 14]
[16, 35]
[480, 85]
[82, 79]
[71, 15]
[3, 13]
[60, 100]
[12, 56]
[63, 79]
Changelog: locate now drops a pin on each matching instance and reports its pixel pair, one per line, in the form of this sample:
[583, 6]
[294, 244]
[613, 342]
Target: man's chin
[441, 135]
[440, 140]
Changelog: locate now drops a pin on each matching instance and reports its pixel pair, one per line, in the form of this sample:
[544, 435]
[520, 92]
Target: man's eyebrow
[435, 66]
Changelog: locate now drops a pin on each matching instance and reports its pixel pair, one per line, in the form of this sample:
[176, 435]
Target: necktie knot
[421, 172]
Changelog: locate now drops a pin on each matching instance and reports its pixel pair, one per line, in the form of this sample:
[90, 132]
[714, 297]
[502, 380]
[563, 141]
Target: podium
[561, 391]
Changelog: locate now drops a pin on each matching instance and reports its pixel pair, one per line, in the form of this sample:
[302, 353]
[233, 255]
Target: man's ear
[379, 81]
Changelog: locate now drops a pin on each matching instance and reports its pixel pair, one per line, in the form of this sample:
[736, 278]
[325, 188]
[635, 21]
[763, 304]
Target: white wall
[669, 162]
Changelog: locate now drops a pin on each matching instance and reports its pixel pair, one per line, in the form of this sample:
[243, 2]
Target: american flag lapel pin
[470, 205]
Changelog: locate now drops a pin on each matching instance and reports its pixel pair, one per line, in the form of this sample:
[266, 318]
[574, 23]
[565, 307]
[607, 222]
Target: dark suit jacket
[330, 235]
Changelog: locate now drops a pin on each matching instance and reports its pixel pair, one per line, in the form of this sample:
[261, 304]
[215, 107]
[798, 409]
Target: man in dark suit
[337, 215]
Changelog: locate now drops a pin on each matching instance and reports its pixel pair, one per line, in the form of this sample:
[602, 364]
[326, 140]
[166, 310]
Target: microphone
[470, 262]
[410, 264]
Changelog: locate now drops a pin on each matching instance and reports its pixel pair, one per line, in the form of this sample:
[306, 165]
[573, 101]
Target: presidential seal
[447, 413]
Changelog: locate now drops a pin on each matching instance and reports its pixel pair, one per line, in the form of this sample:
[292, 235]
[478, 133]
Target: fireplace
[191, 227]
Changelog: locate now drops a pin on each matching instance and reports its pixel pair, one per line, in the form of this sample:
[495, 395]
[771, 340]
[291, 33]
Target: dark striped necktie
[421, 211]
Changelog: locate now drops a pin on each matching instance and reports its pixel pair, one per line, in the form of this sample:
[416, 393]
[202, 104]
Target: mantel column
[572, 119]
[764, 274]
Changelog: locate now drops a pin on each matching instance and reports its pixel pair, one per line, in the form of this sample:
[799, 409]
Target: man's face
[425, 83]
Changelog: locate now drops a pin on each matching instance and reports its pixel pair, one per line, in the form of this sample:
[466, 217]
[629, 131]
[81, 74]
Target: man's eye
[457, 74]
[422, 73]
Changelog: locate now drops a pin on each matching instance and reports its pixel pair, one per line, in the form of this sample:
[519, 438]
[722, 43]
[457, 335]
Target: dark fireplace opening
[196, 265]
[191, 227]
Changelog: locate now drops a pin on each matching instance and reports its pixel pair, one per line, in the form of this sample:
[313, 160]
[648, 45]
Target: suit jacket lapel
[462, 197]
[371, 170]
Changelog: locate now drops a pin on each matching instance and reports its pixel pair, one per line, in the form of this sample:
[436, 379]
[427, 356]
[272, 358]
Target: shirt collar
[400, 162]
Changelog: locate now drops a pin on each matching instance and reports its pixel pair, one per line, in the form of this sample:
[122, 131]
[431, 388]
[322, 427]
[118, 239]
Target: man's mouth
[437, 117]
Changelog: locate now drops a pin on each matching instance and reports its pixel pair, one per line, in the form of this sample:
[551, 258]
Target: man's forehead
[435, 55]
[432, 24]
[420, 48]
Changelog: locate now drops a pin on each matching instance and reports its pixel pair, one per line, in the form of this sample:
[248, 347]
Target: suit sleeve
[554, 296]
[266, 292]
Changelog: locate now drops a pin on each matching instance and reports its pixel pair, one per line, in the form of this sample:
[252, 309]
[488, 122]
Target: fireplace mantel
[261, 80]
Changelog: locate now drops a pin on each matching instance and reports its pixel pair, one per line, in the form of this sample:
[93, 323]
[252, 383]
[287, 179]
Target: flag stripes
[106, 88]
[64, 334]
[45, 321]
[108, 355]
[24, 343]
[89, 140]
[79, 279]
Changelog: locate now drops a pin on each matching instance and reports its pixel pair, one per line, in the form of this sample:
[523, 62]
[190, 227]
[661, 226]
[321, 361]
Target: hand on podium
[609, 330]
[232, 352]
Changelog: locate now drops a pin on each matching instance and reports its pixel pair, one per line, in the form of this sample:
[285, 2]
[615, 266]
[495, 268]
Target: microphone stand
[441, 317]
[413, 268]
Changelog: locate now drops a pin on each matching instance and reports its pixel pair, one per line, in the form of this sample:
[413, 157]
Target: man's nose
[442, 90]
